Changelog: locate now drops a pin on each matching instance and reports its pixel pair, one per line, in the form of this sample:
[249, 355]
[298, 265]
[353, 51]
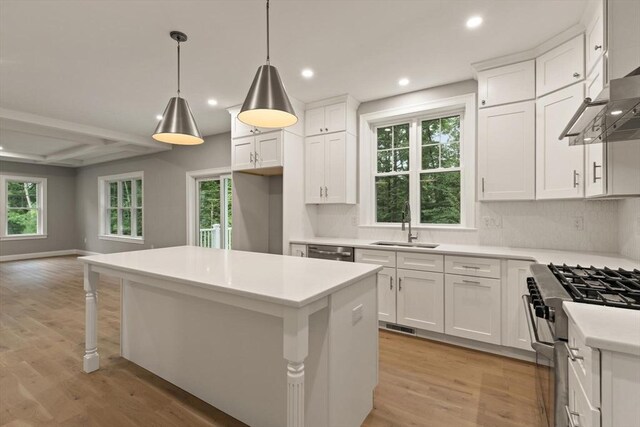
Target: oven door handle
[541, 347]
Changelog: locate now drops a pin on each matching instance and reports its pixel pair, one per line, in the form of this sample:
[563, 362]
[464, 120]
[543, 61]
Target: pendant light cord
[268, 59]
[178, 69]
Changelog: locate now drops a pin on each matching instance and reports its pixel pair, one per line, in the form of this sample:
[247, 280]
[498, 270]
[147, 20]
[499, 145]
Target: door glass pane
[392, 192]
[22, 221]
[209, 214]
[440, 198]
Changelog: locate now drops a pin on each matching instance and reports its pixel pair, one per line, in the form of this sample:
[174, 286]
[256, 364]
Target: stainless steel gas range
[549, 287]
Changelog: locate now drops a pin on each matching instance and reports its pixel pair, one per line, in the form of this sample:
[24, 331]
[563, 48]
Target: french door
[213, 212]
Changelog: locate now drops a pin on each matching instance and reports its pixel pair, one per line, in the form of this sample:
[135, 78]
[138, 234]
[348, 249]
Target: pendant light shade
[267, 104]
[177, 125]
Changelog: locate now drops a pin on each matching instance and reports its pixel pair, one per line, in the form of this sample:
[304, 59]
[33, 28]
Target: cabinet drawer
[372, 256]
[586, 364]
[468, 266]
[420, 261]
[579, 407]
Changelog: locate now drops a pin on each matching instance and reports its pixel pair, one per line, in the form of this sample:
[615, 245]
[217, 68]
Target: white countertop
[606, 328]
[542, 256]
[286, 280]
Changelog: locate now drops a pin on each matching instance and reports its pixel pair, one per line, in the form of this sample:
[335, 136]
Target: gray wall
[61, 209]
[165, 216]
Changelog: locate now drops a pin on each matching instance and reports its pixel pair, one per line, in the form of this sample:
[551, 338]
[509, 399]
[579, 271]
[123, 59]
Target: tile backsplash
[629, 228]
[560, 224]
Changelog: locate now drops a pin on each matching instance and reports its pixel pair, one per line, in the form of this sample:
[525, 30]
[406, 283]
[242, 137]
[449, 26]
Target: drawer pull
[391, 282]
[475, 282]
[572, 355]
[570, 415]
[471, 266]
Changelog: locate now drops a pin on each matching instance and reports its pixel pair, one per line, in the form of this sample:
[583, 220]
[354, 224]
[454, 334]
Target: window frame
[42, 207]
[465, 106]
[104, 232]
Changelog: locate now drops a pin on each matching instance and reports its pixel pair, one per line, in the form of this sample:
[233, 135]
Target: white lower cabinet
[387, 295]
[420, 300]
[472, 308]
[515, 329]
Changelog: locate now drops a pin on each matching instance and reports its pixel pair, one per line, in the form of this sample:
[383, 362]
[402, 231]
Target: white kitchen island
[271, 340]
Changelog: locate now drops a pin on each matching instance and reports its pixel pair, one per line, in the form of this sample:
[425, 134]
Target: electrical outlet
[578, 223]
[491, 222]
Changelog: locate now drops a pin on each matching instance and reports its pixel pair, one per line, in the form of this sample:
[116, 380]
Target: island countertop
[286, 280]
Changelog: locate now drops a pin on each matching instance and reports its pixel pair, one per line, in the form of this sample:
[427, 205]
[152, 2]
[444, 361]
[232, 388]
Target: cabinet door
[472, 308]
[268, 150]
[515, 321]
[387, 295]
[420, 299]
[595, 172]
[314, 169]
[559, 166]
[560, 67]
[594, 84]
[506, 152]
[335, 118]
[594, 36]
[503, 85]
[239, 129]
[242, 153]
[314, 121]
[335, 164]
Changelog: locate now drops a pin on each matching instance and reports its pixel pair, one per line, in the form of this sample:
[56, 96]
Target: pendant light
[267, 104]
[177, 125]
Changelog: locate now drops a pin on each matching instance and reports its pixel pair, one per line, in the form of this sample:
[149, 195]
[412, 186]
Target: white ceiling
[111, 64]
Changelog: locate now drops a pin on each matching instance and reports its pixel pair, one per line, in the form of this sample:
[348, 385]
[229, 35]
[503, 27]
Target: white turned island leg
[296, 348]
[91, 360]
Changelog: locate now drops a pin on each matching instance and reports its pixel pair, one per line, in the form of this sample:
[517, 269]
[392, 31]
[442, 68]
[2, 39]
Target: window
[436, 143]
[24, 201]
[121, 207]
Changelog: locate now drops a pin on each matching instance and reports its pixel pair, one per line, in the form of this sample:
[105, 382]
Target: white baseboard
[34, 255]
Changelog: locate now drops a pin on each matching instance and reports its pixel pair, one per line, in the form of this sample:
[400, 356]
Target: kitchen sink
[408, 245]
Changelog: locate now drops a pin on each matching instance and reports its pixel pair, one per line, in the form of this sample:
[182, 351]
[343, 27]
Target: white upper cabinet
[321, 120]
[595, 172]
[330, 162]
[240, 130]
[594, 35]
[504, 85]
[257, 152]
[560, 67]
[506, 152]
[559, 167]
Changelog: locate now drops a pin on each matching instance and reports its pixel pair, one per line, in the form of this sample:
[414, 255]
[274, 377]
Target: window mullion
[414, 172]
[134, 210]
[119, 208]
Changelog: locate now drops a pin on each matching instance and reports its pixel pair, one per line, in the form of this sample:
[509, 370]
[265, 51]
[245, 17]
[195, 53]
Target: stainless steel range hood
[608, 120]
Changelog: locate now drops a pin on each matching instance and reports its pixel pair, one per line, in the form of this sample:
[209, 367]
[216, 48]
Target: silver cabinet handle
[320, 129]
[570, 415]
[391, 282]
[326, 192]
[483, 184]
[544, 348]
[255, 155]
[251, 130]
[597, 47]
[326, 129]
[475, 282]
[576, 175]
[576, 75]
[400, 283]
[320, 191]
[484, 102]
[250, 157]
[256, 130]
[595, 166]
[471, 266]
[571, 352]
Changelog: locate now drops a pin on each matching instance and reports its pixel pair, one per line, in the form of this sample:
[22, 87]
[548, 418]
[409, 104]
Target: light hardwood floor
[422, 383]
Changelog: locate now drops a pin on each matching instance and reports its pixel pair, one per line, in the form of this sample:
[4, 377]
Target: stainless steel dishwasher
[336, 253]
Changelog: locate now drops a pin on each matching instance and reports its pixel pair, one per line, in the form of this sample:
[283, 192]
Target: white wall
[629, 227]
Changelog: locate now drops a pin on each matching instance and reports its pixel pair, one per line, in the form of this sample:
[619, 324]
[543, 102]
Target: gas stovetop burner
[603, 286]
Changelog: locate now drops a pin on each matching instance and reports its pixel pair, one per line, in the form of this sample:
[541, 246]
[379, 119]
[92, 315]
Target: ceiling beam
[76, 128]
[37, 159]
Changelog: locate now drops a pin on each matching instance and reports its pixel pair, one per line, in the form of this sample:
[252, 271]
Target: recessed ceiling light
[159, 117]
[587, 139]
[474, 22]
[307, 73]
[403, 81]
[616, 112]
[212, 102]
[1, 147]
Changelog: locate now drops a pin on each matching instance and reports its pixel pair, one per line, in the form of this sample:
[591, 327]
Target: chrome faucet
[406, 217]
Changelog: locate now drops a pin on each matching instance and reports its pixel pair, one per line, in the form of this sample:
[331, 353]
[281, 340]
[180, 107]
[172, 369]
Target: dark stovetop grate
[603, 286]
